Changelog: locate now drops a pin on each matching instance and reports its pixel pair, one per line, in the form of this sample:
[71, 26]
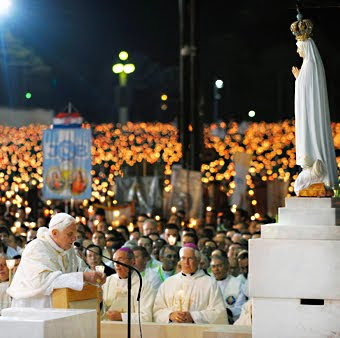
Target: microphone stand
[130, 267]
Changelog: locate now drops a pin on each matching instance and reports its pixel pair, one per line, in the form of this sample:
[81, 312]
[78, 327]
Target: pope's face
[66, 237]
[189, 262]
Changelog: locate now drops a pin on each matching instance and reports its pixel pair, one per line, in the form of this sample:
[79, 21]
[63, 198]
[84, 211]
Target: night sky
[63, 51]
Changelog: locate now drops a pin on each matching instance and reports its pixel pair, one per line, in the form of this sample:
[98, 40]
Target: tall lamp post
[123, 68]
[217, 97]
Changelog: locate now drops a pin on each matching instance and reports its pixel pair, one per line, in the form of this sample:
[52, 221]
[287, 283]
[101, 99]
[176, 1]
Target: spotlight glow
[5, 6]
[251, 113]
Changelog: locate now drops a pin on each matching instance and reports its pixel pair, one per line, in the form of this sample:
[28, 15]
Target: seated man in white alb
[5, 299]
[229, 285]
[190, 296]
[146, 243]
[150, 276]
[49, 262]
[115, 292]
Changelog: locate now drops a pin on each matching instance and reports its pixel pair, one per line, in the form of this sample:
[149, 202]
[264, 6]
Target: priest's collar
[189, 274]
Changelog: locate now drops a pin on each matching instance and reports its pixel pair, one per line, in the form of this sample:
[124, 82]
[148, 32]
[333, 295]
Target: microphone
[130, 267]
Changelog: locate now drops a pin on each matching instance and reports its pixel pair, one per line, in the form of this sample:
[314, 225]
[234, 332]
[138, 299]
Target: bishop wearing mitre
[49, 262]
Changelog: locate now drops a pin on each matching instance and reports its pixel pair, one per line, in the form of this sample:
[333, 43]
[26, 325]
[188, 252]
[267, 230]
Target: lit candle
[180, 297]
[10, 265]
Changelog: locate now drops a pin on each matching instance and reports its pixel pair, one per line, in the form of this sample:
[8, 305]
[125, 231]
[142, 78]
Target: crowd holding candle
[195, 270]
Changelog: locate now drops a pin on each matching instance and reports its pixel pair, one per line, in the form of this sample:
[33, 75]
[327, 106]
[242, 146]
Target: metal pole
[129, 303]
[184, 111]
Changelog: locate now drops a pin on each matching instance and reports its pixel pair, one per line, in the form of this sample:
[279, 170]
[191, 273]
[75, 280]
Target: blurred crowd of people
[212, 255]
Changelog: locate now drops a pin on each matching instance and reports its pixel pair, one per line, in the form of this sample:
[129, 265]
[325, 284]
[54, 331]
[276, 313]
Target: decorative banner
[186, 193]
[67, 163]
[146, 191]
[239, 197]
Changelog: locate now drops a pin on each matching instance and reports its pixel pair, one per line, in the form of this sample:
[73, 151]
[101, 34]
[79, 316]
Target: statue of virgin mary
[315, 151]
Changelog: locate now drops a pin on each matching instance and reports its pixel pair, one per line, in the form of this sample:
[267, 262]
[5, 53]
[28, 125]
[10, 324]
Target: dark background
[63, 50]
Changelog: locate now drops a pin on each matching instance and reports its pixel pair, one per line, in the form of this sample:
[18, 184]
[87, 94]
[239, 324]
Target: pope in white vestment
[115, 292]
[49, 262]
[190, 296]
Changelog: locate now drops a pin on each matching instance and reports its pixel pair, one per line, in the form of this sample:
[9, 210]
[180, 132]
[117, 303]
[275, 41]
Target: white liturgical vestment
[152, 278]
[230, 289]
[44, 267]
[115, 298]
[195, 293]
[5, 299]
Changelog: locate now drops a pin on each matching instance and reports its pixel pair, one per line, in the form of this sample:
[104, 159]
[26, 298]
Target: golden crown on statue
[302, 29]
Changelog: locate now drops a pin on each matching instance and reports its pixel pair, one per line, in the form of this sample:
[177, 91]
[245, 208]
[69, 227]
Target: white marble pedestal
[294, 271]
[48, 323]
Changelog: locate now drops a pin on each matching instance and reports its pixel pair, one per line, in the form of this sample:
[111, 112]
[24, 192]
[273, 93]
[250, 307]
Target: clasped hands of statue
[295, 71]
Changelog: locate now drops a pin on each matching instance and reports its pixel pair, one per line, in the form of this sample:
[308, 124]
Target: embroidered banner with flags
[67, 163]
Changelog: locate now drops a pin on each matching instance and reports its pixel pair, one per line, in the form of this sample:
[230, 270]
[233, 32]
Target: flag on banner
[67, 163]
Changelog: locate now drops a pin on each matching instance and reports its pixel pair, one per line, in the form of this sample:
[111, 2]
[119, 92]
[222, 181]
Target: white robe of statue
[197, 294]
[44, 267]
[5, 299]
[115, 298]
[313, 135]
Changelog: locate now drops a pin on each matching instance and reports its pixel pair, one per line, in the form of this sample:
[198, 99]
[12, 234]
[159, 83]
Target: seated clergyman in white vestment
[190, 296]
[5, 299]
[228, 284]
[115, 292]
[49, 262]
[150, 276]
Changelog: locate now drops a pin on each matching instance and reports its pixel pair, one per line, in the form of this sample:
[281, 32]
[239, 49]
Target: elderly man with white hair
[190, 296]
[49, 262]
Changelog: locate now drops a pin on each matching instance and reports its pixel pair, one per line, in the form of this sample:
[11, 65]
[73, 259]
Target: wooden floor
[156, 330]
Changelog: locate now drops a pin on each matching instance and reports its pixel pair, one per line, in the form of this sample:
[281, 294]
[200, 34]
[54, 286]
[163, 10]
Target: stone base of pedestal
[288, 318]
[294, 272]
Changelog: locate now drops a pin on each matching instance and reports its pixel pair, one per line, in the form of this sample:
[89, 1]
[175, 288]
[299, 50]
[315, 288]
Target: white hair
[60, 221]
[197, 253]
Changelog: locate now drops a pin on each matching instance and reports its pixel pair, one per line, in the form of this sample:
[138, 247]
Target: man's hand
[114, 315]
[94, 277]
[181, 317]
[295, 71]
